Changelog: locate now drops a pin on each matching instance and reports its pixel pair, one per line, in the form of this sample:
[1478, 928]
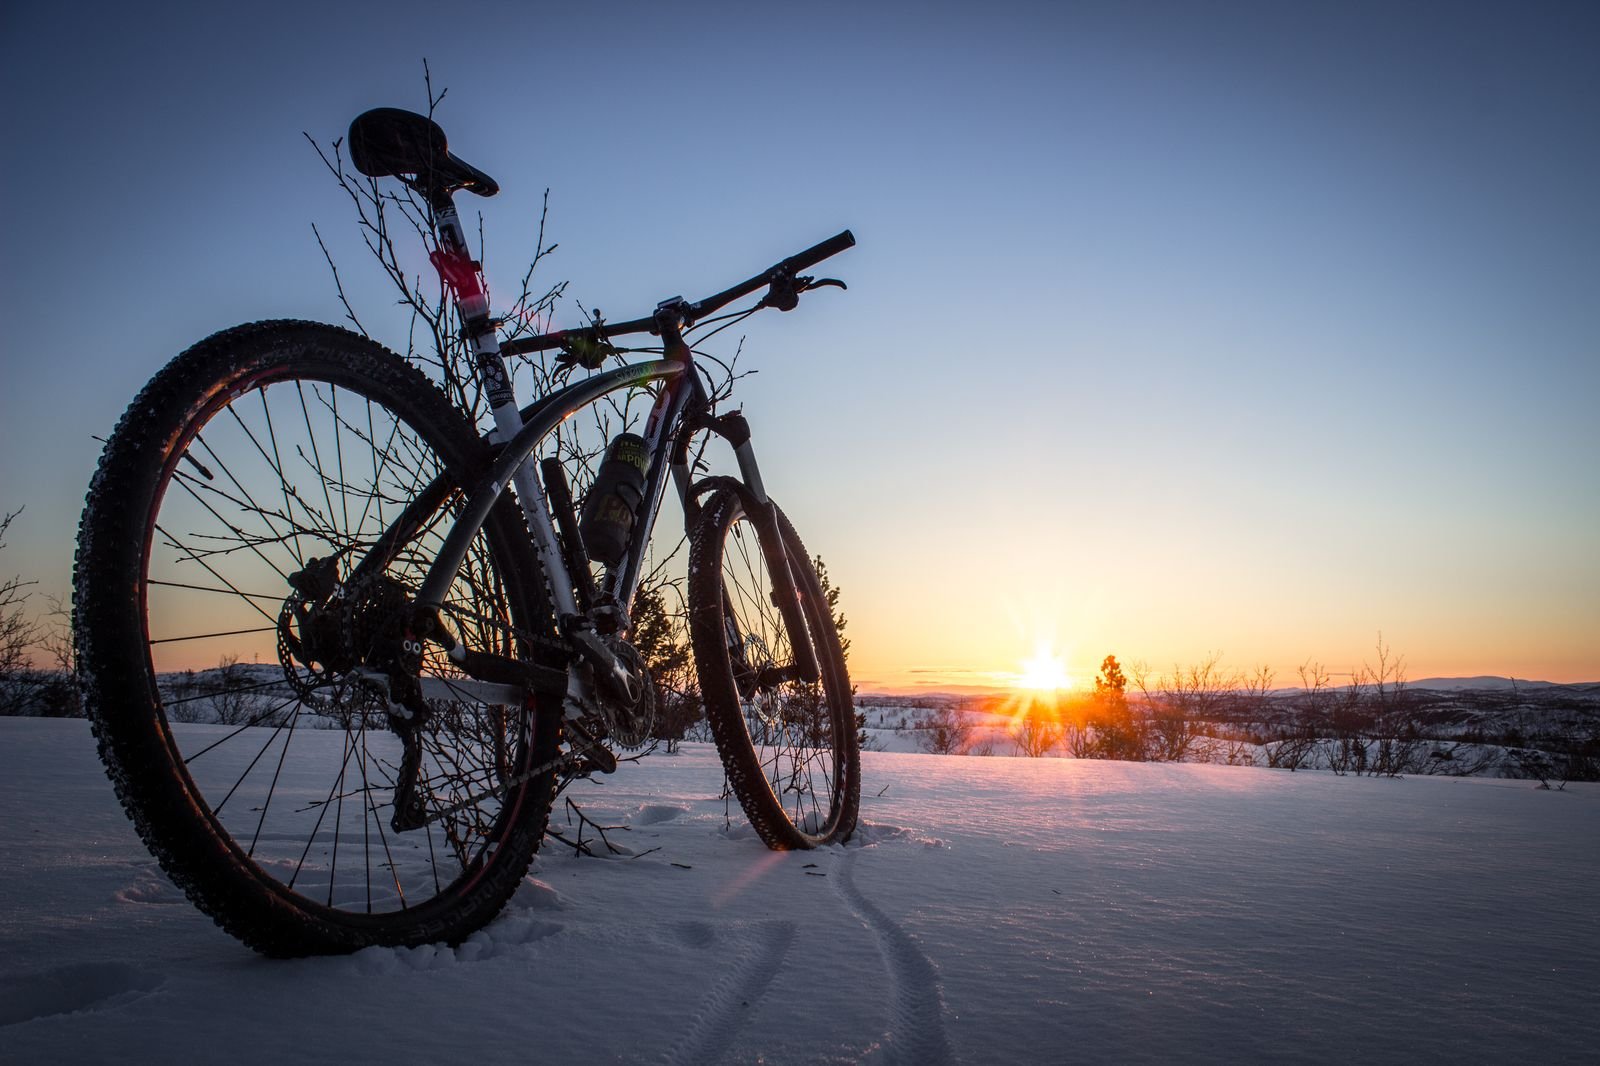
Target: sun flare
[1045, 672]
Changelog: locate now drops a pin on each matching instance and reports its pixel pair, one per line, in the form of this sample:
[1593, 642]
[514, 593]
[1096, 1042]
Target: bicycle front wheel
[261, 518]
[789, 747]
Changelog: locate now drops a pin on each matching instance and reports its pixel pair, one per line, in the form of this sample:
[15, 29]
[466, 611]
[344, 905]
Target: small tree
[830, 597]
[659, 636]
[186, 702]
[1111, 683]
[1116, 733]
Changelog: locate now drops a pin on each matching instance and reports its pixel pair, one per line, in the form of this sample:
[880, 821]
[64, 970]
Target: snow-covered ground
[993, 910]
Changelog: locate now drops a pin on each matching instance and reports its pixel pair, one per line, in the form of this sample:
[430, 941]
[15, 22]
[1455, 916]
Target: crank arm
[608, 669]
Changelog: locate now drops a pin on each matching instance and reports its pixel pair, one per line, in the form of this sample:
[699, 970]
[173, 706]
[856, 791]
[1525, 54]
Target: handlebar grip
[818, 252]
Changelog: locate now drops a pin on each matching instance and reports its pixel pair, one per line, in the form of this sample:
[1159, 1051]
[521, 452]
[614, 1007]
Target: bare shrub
[1536, 765]
[187, 700]
[1559, 760]
[18, 633]
[1399, 747]
[1292, 734]
[1460, 759]
[56, 688]
[1180, 705]
[1037, 729]
[1234, 749]
[231, 703]
[1344, 748]
[1080, 741]
[946, 731]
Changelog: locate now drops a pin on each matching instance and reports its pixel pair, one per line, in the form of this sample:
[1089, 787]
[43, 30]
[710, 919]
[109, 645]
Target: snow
[992, 910]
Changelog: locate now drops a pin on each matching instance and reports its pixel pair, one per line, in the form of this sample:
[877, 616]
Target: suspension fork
[763, 513]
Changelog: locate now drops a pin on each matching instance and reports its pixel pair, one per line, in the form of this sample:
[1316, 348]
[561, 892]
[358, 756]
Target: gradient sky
[1252, 329]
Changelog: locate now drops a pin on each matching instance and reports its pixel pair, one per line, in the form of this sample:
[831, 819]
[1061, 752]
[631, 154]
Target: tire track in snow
[916, 1015]
[722, 1013]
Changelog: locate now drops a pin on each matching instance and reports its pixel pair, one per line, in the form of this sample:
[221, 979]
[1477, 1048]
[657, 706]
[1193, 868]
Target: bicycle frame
[518, 433]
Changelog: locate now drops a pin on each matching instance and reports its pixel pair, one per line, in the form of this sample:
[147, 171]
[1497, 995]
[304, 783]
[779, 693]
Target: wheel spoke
[217, 809]
[272, 788]
[218, 633]
[225, 592]
[174, 542]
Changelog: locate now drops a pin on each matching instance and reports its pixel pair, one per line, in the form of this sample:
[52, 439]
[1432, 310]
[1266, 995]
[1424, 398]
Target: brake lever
[785, 290]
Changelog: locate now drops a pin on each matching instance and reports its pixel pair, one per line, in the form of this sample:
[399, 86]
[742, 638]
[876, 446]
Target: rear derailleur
[346, 650]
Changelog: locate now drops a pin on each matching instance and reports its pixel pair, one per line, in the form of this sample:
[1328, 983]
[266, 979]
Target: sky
[1255, 330]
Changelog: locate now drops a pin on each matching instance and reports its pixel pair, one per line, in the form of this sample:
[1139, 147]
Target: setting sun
[1045, 672]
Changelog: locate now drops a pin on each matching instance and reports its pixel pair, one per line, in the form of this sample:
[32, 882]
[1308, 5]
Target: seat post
[463, 275]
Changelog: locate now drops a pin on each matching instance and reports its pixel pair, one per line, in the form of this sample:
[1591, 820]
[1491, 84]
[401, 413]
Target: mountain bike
[419, 628]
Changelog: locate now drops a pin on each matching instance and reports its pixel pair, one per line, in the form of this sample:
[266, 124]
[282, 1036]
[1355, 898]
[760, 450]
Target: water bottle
[612, 503]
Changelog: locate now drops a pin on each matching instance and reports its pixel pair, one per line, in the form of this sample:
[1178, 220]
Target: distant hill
[1480, 684]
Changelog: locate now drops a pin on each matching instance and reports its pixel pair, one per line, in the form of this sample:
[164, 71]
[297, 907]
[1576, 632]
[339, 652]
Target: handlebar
[697, 310]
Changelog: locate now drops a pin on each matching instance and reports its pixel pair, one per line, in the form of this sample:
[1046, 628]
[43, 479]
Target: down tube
[542, 417]
[659, 433]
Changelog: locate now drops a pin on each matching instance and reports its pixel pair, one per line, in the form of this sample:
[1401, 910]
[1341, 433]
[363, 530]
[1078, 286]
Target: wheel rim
[297, 763]
[797, 730]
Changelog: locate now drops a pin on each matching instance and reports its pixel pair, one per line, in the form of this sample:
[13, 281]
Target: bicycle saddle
[391, 142]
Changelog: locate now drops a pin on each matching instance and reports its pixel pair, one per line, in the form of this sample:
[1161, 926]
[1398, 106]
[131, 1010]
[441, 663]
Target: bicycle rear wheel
[789, 747]
[259, 521]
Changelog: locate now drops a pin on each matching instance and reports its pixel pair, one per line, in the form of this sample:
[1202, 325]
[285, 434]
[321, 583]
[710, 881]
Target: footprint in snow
[150, 887]
[656, 813]
[85, 987]
[695, 934]
[869, 834]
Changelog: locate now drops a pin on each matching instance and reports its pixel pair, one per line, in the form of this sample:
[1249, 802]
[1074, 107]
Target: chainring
[631, 727]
